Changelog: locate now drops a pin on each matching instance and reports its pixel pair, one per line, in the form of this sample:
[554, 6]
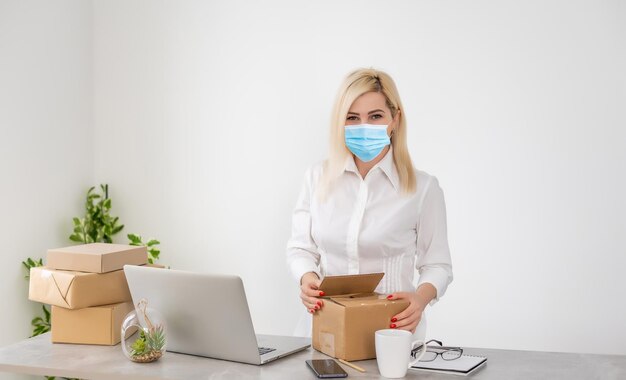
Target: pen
[352, 365]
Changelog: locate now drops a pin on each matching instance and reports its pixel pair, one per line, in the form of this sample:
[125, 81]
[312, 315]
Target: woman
[366, 209]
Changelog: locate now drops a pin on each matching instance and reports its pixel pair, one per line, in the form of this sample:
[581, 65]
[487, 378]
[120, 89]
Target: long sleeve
[302, 254]
[433, 253]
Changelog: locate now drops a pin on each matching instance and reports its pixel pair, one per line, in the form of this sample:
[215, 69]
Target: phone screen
[326, 368]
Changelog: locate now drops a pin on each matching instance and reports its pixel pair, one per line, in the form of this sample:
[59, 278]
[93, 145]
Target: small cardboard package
[96, 257]
[76, 290]
[344, 328]
[92, 325]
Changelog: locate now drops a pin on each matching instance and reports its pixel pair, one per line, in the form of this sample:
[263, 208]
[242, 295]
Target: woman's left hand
[411, 316]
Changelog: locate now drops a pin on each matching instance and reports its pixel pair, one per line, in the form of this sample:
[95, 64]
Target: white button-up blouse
[367, 225]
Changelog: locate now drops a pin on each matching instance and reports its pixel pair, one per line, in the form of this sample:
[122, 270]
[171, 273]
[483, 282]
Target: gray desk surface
[38, 356]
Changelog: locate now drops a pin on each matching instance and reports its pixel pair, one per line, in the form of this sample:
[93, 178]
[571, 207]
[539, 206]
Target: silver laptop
[207, 315]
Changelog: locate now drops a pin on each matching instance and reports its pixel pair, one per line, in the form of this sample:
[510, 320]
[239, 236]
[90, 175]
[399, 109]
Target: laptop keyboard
[265, 350]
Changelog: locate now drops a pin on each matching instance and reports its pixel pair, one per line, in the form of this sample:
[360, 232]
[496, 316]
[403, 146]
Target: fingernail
[394, 319]
[389, 297]
[319, 303]
[321, 294]
[317, 307]
[393, 326]
[311, 311]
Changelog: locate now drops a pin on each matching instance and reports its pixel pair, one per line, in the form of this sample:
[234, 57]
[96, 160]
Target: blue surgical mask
[366, 141]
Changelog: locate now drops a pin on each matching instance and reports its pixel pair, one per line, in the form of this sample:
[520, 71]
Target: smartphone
[326, 368]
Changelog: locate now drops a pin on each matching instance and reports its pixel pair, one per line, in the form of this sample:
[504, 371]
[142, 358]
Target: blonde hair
[354, 85]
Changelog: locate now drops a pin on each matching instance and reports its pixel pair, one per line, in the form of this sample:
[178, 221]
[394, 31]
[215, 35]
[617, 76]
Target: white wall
[206, 115]
[46, 143]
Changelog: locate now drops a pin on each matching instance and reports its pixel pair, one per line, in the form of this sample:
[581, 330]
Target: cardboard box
[96, 257]
[92, 325]
[344, 328]
[76, 290]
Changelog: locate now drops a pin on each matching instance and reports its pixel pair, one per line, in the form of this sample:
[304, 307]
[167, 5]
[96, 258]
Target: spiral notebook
[465, 365]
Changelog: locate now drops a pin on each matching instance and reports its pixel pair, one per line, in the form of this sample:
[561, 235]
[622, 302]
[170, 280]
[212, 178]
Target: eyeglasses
[432, 351]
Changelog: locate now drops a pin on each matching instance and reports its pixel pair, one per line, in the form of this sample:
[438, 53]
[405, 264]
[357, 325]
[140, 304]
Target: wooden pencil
[352, 365]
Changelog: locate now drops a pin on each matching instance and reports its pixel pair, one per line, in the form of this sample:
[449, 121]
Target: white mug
[393, 352]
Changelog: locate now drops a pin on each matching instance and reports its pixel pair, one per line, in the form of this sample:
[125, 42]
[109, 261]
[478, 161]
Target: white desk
[40, 357]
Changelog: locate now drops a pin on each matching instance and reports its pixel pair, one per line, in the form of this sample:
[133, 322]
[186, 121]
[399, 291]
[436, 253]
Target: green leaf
[117, 229]
[30, 263]
[41, 325]
[76, 221]
[152, 242]
[77, 238]
[155, 253]
[134, 238]
[27, 263]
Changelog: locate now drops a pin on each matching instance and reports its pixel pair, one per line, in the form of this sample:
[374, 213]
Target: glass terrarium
[144, 334]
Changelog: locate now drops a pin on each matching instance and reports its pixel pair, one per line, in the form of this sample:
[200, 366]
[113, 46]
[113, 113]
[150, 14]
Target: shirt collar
[386, 165]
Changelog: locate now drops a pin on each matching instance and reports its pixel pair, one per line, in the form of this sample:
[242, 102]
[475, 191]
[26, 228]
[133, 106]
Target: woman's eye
[376, 116]
[351, 118]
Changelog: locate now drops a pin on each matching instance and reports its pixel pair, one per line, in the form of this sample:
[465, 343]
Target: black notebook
[465, 365]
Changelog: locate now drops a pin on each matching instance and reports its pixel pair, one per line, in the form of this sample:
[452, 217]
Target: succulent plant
[149, 346]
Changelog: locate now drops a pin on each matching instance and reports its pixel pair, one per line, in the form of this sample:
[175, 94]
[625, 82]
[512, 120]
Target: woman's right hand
[309, 291]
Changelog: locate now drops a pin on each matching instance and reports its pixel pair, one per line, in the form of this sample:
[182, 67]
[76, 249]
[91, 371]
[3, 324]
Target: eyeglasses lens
[450, 355]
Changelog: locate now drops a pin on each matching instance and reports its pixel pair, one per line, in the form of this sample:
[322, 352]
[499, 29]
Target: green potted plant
[97, 225]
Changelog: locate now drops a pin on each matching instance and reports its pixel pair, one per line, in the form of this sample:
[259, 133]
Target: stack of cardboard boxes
[86, 286]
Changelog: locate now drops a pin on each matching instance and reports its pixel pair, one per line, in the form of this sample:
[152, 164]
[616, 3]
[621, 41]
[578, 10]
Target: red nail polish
[389, 297]
[319, 303]
[317, 307]
[394, 319]
[322, 294]
[393, 326]
[311, 311]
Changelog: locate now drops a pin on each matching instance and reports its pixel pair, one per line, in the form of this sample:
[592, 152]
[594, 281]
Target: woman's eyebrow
[369, 113]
